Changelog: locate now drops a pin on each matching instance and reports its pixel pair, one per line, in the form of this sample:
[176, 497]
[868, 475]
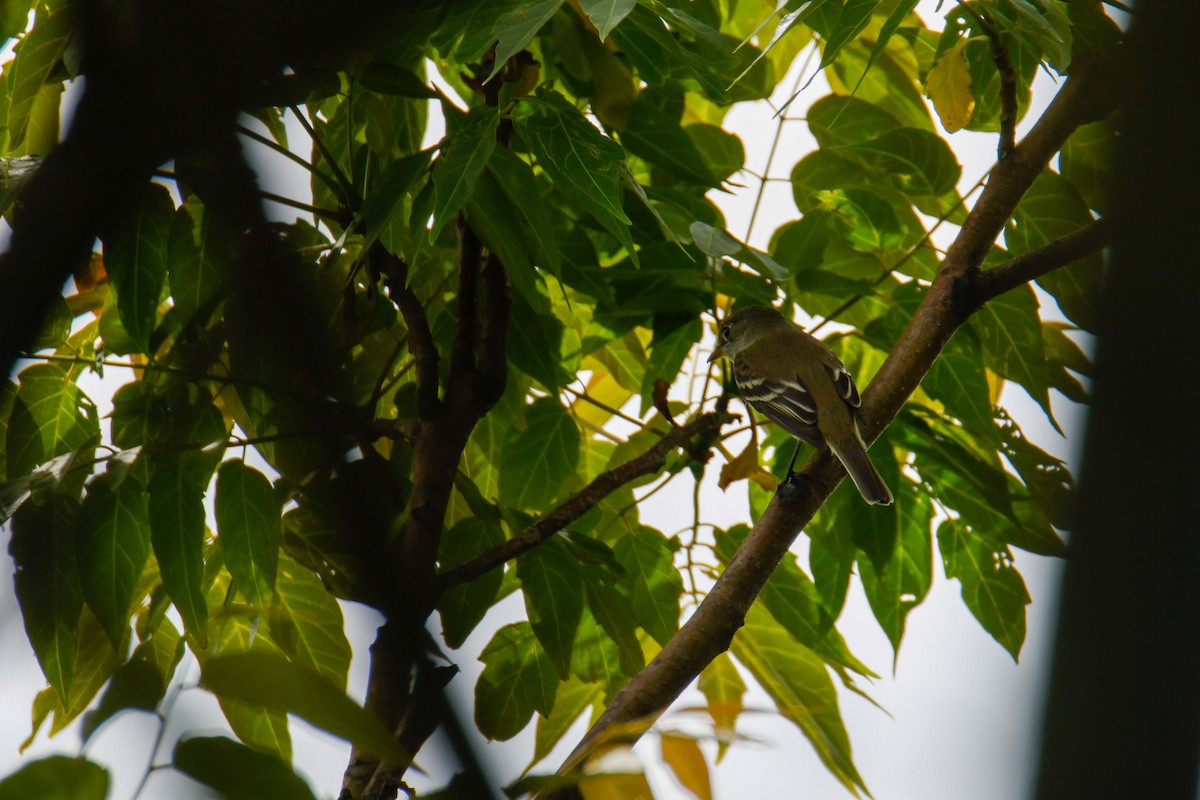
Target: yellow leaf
[745, 465]
[683, 756]
[723, 688]
[616, 773]
[948, 85]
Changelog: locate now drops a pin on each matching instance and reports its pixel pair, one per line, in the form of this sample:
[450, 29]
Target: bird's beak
[717, 352]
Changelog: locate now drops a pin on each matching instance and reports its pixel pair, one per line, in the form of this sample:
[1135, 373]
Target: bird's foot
[792, 487]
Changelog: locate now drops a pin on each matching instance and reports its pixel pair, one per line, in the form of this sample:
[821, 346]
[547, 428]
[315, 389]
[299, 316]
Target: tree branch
[420, 339]
[462, 359]
[602, 486]
[708, 632]
[1039, 261]
[492, 369]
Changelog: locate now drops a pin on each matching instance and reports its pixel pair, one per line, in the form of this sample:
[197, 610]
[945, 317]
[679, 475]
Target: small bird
[796, 381]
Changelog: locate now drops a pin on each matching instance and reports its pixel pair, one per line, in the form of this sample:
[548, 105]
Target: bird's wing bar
[786, 403]
[845, 385]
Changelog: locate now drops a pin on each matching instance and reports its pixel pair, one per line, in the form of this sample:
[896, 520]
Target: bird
[797, 382]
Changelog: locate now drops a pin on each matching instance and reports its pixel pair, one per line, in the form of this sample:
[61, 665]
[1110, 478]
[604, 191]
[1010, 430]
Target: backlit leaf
[248, 529]
[238, 772]
[47, 585]
[540, 458]
[552, 583]
[176, 509]
[991, 586]
[135, 255]
[113, 545]
[797, 682]
[464, 155]
[518, 678]
[56, 778]
[271, 681]
[654, 583]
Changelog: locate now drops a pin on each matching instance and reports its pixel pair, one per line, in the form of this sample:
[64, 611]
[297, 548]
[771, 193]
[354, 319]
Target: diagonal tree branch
[1085, 96]
[649, 462]
[1040, 261]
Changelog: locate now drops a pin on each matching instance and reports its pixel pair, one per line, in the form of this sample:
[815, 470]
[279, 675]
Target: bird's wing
[845, 385]
[787, 403]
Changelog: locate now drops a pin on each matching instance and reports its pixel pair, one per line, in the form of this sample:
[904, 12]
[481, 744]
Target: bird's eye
[725, 333]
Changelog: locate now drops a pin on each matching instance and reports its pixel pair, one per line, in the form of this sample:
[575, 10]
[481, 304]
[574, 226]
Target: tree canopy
[458, 374]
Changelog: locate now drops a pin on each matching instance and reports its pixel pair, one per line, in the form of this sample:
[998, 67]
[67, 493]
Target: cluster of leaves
[614, 251]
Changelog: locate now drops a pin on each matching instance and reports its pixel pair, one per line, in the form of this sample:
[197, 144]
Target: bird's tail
[853, 455]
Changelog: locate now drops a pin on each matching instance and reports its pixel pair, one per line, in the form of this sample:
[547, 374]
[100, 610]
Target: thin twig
[347, 188]
[1029, 266]
[603, 485]
[286, 153]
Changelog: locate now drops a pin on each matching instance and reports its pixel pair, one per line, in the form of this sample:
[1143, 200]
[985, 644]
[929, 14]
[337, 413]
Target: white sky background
[964, 721]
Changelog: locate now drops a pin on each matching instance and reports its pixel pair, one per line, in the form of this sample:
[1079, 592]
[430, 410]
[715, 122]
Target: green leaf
[307, 623]
[722, 151]
[56, 328]
[385, 78]
[1086, 161]
[991, 586]
[56, 778]
[584, 164]
[923, 160]
[141, 682]
[853, 19]
[516, 28]
[573, 698]
[538, 460]
[199, 253]
[136, 685]
[607, 14]
[50, 416]
[388, 190]
[718, 243]
[518, 678]
[797, 682]
[959, 381]
[463, 607]
[867, 221]
[38, 55]
[517, 180]
[238, 772]
[1053, 208]
[498, 222]
[240, 631]
[653, 133]
[655, 585]
[1010, 330]
[800, 245]
[613, 611]
[46, 579]
[95, 661]
[135, 255]
[247, 512]
[552, 584]
[792, 598]
[1047, 477]
[844, 120]
[176, 509]
[900, 586]
[113, 540]
[271, 681]
[535, 345]
[667, 354]
[464, 155]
